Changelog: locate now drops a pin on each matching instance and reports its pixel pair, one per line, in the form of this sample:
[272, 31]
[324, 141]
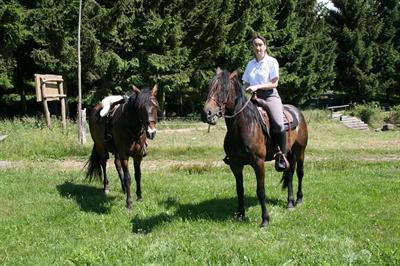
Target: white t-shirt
[261, 72]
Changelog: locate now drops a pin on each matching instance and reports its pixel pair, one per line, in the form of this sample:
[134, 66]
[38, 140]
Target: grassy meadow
[49, 215]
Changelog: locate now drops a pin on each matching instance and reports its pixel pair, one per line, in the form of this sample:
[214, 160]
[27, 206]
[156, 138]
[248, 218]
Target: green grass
[50, 216]
[30, 139]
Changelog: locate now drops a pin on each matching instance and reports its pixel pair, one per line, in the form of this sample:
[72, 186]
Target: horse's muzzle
[151, 133]
[212, 117]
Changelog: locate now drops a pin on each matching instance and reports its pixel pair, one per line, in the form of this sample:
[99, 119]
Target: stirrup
[281, 163]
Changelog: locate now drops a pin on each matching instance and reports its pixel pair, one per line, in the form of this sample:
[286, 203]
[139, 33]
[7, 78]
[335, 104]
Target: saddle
[110, 102]
[290, 120]
[105, 115]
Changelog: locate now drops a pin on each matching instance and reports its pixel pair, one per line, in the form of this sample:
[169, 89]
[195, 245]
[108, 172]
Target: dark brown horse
[246, 142]
[123, 134]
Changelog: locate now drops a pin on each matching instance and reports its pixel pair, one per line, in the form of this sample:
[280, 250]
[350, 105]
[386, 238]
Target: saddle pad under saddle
[290, 120]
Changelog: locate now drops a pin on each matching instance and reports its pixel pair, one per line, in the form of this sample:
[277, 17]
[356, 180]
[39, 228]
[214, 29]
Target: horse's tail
[93, 166]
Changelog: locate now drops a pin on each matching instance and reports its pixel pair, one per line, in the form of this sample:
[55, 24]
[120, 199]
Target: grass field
[49, 215]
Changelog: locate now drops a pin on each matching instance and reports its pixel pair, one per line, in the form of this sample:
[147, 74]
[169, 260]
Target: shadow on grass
[212, 210]
[90, 199]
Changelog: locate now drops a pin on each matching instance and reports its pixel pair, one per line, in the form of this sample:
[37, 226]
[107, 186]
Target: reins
[222, 106]
[238, 112]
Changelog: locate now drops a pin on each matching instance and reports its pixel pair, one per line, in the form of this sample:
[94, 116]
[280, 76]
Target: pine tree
[304, 51]
[355, 28]
[109, 62]
[13, 34]
[387, 63]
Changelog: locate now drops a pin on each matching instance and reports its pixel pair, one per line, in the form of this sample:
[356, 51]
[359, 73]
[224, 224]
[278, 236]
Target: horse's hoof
[239, 216]
[299, 202]
[139, 199]
[264, 225]
[106, 191]
[290, 206]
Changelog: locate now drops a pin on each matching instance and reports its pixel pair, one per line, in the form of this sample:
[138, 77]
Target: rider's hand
[251, 89]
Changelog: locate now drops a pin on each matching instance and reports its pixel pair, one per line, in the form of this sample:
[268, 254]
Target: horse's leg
[238, 173]
[127, 182]
[118, 166]
[300, 174]
[103, 163]
[260, 175]
[288, 181]
[138, 177]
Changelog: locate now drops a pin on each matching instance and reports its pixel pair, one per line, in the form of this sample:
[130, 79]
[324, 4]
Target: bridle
[221, 106]
[150, 119]
[153, 100]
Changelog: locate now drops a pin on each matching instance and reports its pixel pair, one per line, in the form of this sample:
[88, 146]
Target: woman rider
[261, 76]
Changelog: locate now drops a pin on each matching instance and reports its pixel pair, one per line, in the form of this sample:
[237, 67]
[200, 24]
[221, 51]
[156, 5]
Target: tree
[304, 50]
[387, 63]
[355, 28]
[13, 33]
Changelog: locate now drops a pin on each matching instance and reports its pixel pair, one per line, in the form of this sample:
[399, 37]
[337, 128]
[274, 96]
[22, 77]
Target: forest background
[352, 50]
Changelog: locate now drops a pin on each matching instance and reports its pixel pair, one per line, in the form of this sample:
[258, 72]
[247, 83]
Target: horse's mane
[135, 103]
[139, 100]
[250, 112]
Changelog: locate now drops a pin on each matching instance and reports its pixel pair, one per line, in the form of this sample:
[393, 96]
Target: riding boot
[281, 163]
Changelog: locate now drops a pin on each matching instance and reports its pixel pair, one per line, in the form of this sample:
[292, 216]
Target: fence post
[82, 127]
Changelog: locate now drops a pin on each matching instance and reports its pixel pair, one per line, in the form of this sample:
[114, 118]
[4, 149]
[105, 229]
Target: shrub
[394, 115]
[369, 112]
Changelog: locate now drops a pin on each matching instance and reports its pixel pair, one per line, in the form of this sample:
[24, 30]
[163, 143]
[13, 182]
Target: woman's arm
[265, 86]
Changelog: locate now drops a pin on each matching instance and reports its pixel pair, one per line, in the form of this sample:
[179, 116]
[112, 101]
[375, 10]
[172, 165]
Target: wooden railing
[336, 108]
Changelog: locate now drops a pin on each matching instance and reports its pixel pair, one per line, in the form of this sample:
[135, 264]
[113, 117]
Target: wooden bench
[337, 108]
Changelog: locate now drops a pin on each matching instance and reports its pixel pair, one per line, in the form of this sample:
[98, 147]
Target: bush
[369, 113]
[394, 116]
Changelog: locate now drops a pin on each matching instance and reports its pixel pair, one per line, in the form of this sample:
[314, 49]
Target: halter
[222, 106]
[153, 99]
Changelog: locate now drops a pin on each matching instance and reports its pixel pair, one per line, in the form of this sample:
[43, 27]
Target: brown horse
[246, 142]
[123, 134]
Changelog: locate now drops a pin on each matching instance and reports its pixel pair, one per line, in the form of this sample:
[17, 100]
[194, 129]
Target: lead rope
[241, 109]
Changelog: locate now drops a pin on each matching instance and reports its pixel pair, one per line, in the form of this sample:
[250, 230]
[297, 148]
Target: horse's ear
[219, 70]
[234, 74]
[154, 90]
[135, 89]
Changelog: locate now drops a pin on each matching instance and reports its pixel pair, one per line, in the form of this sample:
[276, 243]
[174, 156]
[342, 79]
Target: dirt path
[5, 164]
[165, 164]
[148, 164]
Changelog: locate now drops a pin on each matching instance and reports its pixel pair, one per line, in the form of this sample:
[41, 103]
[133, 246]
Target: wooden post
[63, 112]
[82, 127]
[46, 113]
[63, 115]
[45, 105]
